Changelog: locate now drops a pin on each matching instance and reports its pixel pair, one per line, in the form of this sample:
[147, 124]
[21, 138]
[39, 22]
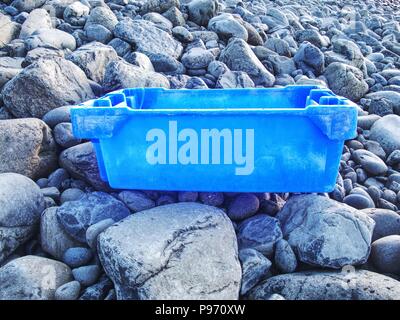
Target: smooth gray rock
[37, 19]
[94, 230]
[358, 201]
[239, 57]
[9, 30]
[165, 264]
[182, 34]
[386, 131]
[136, 200]
[120, 74]
[53, 38]
[80, 161]
[254, 268]
[93, 59]
[87, 275]
[64, 136]
[259, 232]
[370, 162]
[98, 33]
[285, 259]
[68, 291]
[53, 238]
[27, 147]
[309, 58]
[21, 201]
[21, 204]
[32, 278]
[385, 254]
[366, 122]
[197, 58]
[57, 115]
[243, 206]
[201, 11]
[346, 81]
[234, 79]
[329, 285]
[27, 5]
[77, 256]
[139, 60]
[71, 194]
[227, 26]
[314, 224]
[147, 38]
[46, 85]
[77, 216]
[159, 21]
[102, 15]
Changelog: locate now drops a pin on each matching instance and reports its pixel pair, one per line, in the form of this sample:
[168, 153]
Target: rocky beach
[65, 234]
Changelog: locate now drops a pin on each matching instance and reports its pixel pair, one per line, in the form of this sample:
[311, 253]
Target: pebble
[370, 162]
[243, 206]
[86, 275]
[71, 194]
[77, 256]
[68, 291]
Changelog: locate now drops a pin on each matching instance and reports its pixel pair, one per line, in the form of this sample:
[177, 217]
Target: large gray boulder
[93, 59]
[329, 285]
[80, 161]
[326, 233]
[239, 57]
[346, 81]
[46, 85]
[386, 131]
[21, 204]
[177, 251]
[27, 147]
[32, 278]
[120, 74]
[147, 38]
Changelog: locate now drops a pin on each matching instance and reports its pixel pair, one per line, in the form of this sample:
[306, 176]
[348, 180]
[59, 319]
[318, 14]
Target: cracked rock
[326, 233]
[177, 251]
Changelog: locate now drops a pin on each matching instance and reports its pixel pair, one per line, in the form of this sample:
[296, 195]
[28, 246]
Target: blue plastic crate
[240, 140]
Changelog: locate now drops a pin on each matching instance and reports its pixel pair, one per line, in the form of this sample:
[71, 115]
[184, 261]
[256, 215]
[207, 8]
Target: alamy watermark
[188, 146]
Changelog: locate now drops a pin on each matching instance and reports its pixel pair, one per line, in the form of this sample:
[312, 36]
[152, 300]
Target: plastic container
[238, 140]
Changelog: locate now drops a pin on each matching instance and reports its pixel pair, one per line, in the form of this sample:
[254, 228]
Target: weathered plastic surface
[239, 140]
